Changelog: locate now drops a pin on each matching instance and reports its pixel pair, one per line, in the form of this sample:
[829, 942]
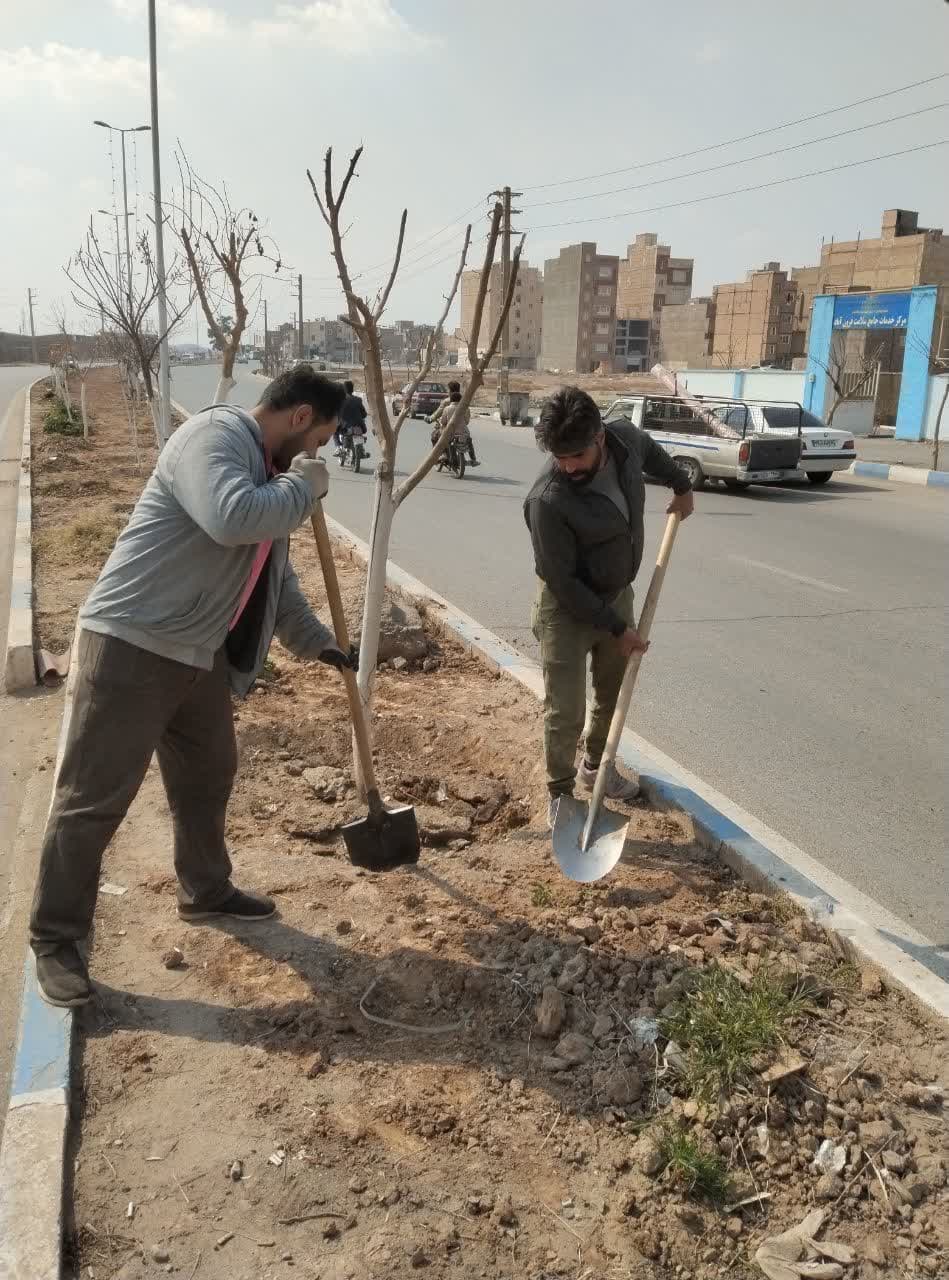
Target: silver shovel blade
[606, 840]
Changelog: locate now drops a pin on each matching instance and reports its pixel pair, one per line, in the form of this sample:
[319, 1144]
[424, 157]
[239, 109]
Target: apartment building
[754, 320]
[649, 279]
[579, 309]
[526, 315]
[903, 255]
[685, 333]
[631, 346]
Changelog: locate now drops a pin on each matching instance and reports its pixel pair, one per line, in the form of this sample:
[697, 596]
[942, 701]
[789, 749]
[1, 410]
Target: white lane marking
[786, 573]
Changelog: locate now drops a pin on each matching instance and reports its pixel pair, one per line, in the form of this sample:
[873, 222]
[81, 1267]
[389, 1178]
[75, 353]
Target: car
[824, 449]
[428, 396]
[737, 453]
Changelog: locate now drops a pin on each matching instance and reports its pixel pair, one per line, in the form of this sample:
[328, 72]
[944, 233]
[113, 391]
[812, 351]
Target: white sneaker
[617, 787]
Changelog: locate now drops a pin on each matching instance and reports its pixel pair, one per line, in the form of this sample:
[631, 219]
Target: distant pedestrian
[585, 515]
[182, 614]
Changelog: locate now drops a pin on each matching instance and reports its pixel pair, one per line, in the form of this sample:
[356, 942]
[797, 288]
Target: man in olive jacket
[182, 615]
[585, 515]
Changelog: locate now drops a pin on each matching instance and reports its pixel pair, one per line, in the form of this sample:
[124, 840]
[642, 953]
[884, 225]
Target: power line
[747, 137]
[730, 164]
[723, 195]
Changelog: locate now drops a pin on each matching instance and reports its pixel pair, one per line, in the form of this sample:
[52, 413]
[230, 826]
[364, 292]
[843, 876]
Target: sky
[453, 100]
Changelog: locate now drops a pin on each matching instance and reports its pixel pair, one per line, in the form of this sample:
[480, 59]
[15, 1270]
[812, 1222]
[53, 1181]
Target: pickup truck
[713, 439]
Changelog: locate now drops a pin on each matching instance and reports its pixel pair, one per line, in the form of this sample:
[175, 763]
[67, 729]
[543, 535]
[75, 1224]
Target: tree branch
[384, 295]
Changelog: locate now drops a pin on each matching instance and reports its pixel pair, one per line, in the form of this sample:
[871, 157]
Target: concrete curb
[867, 931]
[903, 475]
[19, 671]
[33, 1154]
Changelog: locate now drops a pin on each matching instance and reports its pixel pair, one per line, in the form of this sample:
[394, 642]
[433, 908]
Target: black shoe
[63, 978]
[239, 906]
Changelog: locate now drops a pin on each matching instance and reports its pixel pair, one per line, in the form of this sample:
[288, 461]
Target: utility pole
[164, 364]
[300, 311]
[504, 384]
[29, 298]
[266, 342]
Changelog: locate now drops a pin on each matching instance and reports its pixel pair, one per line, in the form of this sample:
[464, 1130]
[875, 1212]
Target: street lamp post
[139, 128]
[164, 362]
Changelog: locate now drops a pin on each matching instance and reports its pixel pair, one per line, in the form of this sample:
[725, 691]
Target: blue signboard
[871, 311]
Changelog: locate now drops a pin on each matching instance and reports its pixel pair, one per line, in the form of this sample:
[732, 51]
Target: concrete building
[631, 346]
[685, 333]
[579, 311]
[525, 322]
[328, 340]
[754, 320]
[650, 279]
[903, 256]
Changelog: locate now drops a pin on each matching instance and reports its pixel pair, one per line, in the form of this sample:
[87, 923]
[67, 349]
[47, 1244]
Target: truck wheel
[694, 471]
[818, 477]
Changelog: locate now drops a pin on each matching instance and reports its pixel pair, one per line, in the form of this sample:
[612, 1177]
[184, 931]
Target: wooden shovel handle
[363, 746]
[645, 626]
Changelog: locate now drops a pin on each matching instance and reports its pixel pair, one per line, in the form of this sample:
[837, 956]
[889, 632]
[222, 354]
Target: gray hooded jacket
[177, 571]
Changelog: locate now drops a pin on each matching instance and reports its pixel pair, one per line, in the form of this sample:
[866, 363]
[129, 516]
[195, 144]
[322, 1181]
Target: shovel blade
[606, 840]
[384, 841]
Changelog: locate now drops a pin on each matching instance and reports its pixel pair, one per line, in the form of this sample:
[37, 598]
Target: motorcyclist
[461, 429]
[352, 421]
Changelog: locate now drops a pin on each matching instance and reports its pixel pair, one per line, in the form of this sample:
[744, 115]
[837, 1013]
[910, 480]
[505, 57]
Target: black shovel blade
[384, 841]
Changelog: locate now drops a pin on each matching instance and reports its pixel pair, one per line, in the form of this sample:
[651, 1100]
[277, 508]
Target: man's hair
[453, 386]
[349, 388]
[303, 385]
[569, 421]
[454, 395]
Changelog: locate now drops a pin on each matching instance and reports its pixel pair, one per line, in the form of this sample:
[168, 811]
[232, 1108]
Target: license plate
[765, 475]
[824, 444]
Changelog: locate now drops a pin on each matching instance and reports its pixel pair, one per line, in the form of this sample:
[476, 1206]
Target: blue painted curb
[43, 1043]
[905, 475]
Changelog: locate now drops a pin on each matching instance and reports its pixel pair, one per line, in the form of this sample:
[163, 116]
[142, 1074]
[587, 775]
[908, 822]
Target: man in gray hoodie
[182, 615]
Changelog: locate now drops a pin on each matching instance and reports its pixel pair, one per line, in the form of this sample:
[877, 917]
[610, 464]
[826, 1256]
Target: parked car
[428, 396]
[741, 455]
[824, 449]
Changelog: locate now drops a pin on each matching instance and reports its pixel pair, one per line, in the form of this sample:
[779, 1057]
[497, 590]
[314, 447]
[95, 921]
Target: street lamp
[139, 128]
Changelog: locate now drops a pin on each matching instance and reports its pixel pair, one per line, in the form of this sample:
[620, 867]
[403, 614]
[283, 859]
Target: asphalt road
[798, 657]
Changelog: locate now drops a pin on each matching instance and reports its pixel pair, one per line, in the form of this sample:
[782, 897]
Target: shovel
[385, 838]
[588, 843]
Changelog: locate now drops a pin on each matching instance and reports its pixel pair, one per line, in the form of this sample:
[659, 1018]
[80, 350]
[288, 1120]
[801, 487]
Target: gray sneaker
[617, 787]
[63, 978]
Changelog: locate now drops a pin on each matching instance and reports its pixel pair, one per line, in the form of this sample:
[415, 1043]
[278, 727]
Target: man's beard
[289, 449]
[583, 478]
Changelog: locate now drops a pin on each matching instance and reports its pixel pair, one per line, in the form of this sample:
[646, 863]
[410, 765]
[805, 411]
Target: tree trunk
[945, 396]
[82, 410]
[154, 405]
[223, 389]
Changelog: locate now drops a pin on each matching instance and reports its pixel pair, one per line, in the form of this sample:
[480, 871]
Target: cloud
[27, 177]
[711, 51]
[351, 27]
[64, 73]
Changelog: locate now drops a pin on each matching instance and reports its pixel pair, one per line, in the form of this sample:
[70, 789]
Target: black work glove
[334, 657]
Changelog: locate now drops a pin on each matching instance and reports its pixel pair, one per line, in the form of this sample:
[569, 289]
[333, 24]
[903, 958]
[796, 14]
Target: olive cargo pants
[565, 645]
[127, 704]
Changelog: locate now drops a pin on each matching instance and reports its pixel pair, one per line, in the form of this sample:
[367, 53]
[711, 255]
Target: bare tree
[364, 317]
[226, 249]
[937, 356]
[128, 307]
[850, 383]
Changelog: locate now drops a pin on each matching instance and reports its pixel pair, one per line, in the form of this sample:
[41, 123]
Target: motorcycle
[454, 457]
[352, 451]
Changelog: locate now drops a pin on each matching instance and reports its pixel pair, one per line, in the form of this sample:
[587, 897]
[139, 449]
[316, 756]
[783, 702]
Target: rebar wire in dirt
[446, 1029]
